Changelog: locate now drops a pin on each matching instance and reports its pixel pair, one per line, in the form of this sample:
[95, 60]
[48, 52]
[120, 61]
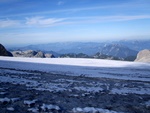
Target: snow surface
[76, 67]
[125, 78]
[81, 67]
[78, 62]
[49, 107]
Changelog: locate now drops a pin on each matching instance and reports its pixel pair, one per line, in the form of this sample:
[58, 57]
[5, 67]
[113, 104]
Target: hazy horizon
[25, 22]
[9, 46]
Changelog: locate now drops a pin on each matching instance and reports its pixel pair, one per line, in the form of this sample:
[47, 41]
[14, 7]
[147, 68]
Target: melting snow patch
[89, 89]
[10, 109]
[45, 107]
[2, 93]
[4, 100]
[92, 110]
[15, 71]
[34, 110]
[15, 99]
[130, 90]
[147, 104]
[29, 102]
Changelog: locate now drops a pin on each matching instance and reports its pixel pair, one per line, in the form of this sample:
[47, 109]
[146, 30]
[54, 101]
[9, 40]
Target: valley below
[76, 86]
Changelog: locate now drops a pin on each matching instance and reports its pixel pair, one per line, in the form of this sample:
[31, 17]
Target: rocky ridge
[4, 52]
[32, 53]
[143, 56]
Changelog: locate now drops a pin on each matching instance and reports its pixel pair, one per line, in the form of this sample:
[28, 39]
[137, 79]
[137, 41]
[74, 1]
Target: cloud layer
[41, 21]
[48, 22]
[9, 23]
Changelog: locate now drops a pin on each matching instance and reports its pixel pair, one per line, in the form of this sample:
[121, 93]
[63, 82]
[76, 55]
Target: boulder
[143, 56]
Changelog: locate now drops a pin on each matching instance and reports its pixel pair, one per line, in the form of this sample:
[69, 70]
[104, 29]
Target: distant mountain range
[88, 48]
[136, 45]
[124, 49]
[117, 50]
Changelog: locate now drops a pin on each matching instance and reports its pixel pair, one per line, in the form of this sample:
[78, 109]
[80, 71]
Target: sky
[24, 22]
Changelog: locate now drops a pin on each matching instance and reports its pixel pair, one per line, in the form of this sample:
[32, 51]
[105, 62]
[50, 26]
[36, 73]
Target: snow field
[81, 67]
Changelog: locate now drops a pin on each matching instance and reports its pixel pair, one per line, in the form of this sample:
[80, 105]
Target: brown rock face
[4, 52]
[143, 56]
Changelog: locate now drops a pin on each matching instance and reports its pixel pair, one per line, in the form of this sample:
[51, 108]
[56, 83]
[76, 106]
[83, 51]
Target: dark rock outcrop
[143, 56]
[4, 52]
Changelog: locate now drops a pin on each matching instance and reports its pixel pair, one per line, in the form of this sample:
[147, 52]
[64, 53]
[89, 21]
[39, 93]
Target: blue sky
[44, 21]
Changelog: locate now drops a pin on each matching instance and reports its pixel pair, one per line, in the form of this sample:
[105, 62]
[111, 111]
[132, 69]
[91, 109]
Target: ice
[77, 62]
[79, 66]
[92, 110]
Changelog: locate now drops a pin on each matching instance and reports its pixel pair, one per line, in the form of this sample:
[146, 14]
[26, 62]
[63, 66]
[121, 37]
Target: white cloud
[97, 19]
[9, 23]
[49, 22]
[60, 3]
[41, 21]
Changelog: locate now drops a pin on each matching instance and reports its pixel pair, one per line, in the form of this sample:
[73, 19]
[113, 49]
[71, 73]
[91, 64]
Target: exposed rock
[40, 55]
[28, 53]
[4, 52]
[143, 56]
[74, 55]
[47, 55]
[102, 56]
[32, 53]
[17, 53]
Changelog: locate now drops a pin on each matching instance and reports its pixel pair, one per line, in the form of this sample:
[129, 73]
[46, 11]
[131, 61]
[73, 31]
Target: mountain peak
[4, 52]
